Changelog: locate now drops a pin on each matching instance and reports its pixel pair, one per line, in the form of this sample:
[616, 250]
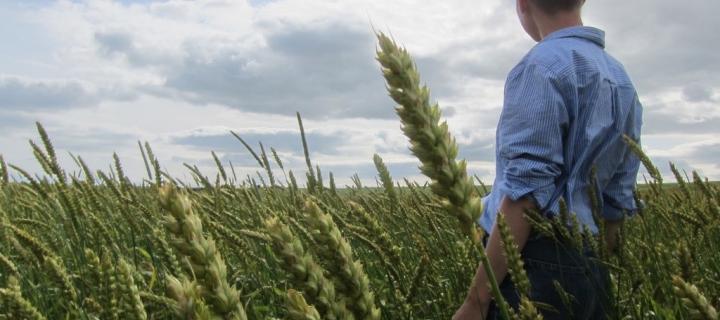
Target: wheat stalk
[434, 146]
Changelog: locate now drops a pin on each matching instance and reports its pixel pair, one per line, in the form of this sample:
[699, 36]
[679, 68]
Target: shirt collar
[588, 33]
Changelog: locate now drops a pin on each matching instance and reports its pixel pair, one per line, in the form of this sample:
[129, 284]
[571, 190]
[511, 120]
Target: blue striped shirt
[566, 106]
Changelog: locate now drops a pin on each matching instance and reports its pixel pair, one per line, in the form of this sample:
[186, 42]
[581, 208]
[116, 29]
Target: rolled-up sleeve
[618, 199]
[530, 134]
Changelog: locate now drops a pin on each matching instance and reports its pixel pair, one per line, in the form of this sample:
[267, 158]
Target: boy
[566, 106]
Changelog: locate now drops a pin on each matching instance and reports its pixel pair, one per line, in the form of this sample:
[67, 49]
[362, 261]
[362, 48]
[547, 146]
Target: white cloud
[180, 74]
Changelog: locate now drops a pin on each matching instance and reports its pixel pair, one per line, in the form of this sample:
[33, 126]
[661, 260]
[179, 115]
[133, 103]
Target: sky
[102, 75]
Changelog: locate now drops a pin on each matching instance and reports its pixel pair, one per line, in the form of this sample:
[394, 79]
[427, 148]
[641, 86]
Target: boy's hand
[472, 310]
[612, 230]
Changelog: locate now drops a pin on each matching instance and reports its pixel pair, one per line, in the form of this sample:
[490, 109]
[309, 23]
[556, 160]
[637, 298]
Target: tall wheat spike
[89, 177]
[383, 237]
[306, 273]
[311, 182]
[266, 165]
[351, 279]
[649, 166]
[146, 162]
[132, 303]
[430, 140]
[4, 174]
[220, 167]
[386, 179]
[680, 181]
[527, 310]
[206, 261]
[432, 143]
[16, 306]
[53, 162]
[188, 298]
[59, 273]
[298, 309]
[155, 163]
[7, 266]
[514, 261]
[695, 301]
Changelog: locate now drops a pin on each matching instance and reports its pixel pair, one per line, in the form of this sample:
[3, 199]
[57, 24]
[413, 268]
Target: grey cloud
[481, 150]
[16, 93]
[663, 43]
[113, 43]
[437, 74]
[707, 154]
[385, 146]
[659, 122]
[698, 93]
[120, 44]
[35, 95]
[79, 142]
[11, 121]
[481, 60]
[323, 73]
[686, 164]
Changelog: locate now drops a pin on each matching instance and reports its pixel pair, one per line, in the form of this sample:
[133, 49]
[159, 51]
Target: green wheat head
[207, 263]
[430, 139]
[350, 278]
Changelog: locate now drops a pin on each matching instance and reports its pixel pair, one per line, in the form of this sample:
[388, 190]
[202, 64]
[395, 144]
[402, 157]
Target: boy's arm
[514, 212]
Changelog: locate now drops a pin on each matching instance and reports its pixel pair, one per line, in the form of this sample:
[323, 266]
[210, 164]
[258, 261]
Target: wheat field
[79, 243]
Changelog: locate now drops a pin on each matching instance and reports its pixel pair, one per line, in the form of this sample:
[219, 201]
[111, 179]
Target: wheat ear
[695, 301]
[207, 263]
[305, 271]
[16, 306]
[298, 309]
[434, 146]
[514, 260]
[350, 278]
[386, 180]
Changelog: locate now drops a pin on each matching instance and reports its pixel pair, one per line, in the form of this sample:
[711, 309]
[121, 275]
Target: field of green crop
[83, 244]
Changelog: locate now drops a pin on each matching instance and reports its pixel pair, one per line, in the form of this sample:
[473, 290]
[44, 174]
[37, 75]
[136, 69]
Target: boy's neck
[548, 24]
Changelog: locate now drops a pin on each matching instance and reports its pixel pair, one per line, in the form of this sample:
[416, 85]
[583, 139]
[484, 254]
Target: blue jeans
[578, 273]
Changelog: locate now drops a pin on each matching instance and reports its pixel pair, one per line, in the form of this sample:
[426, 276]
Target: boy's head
[536, 14]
